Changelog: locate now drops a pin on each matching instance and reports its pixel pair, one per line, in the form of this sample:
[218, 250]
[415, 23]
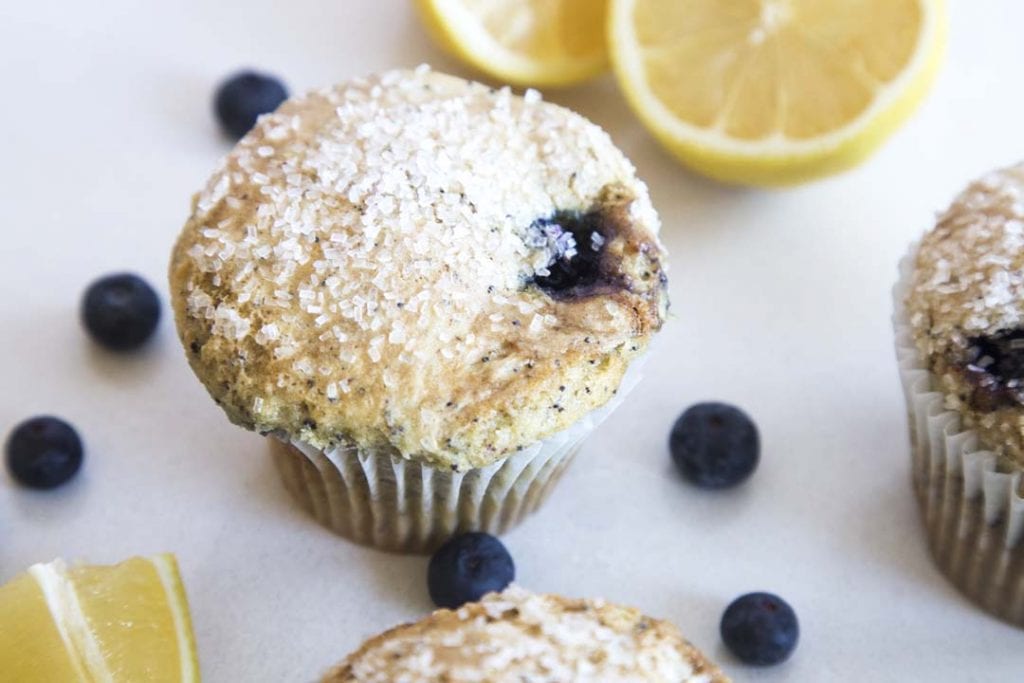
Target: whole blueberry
[244, 97]
[468, 567]
[120, 311]
[43, 452]
[760, 629]
[715, 445]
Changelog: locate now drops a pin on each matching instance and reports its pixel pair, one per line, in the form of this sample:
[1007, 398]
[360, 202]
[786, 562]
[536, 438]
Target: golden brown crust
[516, 635]
[324, 290]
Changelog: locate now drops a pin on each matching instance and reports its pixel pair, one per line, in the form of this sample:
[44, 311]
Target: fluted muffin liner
[972, 509]
[377, 498]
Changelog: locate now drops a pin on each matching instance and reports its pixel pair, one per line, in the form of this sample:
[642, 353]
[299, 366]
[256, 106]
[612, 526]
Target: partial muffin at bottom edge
[517, 636]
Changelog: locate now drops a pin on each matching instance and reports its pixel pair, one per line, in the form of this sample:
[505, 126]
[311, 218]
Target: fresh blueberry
[244, 97]
[760, 629]
[120, 311]
[43, 452]
[715, 445]
[468, 567]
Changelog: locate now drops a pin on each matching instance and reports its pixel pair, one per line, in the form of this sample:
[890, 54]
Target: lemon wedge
[525, 42]
[97, 624]
[775, 92]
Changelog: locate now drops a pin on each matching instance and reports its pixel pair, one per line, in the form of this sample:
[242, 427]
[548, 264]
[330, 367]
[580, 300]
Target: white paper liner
[974, 513]
[380, 499]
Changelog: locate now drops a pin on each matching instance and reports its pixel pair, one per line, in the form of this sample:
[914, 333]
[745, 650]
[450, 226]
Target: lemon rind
[170, 578]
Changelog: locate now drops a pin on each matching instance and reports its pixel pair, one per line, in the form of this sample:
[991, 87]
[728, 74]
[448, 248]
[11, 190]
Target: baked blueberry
[43, 452]
[579, 265]
[244, 97]
[715, 445]
[760, 629]
[575, 243]
[468, 567]
[994, 369]
[120, 311]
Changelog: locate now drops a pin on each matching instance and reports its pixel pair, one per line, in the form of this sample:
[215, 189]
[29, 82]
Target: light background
[781, 305]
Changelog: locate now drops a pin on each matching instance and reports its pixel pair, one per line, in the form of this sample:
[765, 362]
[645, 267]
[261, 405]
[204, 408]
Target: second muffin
[960, 340]
[428, 291]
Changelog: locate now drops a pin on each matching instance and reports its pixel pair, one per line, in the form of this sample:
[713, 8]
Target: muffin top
[518, 636]
[417, 262]
[966, 308]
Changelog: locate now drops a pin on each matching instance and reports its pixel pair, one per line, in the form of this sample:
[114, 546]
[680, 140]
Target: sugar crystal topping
[969, 275]
[379, 237]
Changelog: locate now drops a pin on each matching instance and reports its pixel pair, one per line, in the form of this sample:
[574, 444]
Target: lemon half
[525, 42]
[775, 92]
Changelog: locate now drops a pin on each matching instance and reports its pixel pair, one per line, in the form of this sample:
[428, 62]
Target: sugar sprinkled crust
[518, 636]
[359, 270]
[966, 308]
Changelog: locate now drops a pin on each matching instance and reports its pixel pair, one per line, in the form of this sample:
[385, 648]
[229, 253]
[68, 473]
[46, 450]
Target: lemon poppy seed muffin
[517, 636]
[960, 324]
[414, 271]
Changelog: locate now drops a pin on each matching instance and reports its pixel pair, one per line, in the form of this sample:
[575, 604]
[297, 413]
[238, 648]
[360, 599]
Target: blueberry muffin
[960, 332]
[427, 291]
[518, 636]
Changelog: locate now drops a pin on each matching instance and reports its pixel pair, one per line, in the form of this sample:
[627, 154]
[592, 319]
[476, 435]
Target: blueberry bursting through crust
[582, 264]
[994, 367]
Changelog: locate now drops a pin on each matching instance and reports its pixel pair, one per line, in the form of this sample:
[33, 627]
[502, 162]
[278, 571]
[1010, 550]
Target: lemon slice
[97, 624]
[775, 92]
[525, 42]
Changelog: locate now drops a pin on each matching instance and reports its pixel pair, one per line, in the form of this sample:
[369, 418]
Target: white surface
[781, 302]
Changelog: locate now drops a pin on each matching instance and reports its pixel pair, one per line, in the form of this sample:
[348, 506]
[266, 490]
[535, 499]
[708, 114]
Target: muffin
[427, 291]
[518, 636]
[960, 342]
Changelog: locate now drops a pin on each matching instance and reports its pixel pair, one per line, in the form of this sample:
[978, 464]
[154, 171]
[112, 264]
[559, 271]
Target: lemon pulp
[127, 622]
